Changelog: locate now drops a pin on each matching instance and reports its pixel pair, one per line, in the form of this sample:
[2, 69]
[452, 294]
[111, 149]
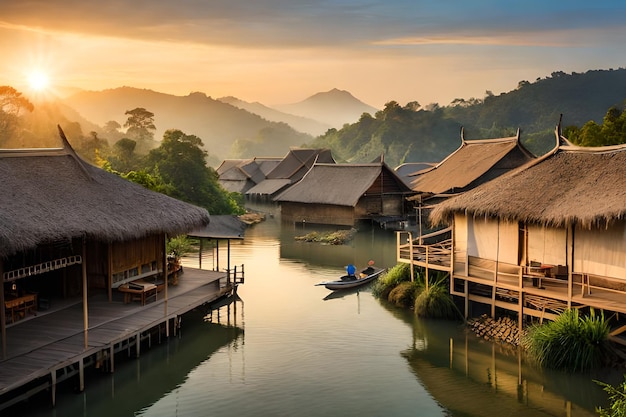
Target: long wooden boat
[366, 275]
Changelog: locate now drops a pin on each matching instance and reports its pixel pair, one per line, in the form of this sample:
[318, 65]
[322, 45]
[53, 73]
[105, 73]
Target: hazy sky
[282, 51]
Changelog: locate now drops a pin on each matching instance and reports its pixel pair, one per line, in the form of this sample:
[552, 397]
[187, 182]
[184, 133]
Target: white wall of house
[547, 245]
[492, 239]
[601, 251]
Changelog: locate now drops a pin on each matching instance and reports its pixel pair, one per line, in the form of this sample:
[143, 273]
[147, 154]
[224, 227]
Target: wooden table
[539, 272]
[20, 306]
[138, 291]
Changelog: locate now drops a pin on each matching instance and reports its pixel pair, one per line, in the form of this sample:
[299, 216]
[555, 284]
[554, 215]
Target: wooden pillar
[200, 254]
[109, 271]
[3, 322]
[112, 358]
[569, 258]
[81, 374]
[53, 386]
[217, 254]
[85, 294]
[166, 278]
[138, 344]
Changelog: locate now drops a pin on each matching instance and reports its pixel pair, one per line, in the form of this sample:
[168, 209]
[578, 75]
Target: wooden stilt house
[69, 229]
[548, 236]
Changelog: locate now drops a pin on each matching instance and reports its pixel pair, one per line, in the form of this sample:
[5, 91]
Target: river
[290, 348]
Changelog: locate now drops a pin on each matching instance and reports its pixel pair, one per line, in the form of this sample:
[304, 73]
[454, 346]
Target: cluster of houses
[516, 233]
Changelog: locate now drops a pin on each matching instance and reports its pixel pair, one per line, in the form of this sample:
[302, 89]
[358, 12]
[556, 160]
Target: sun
[38, 80]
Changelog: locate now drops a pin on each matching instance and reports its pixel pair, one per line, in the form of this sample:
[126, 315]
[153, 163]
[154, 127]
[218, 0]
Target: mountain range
[227, 126]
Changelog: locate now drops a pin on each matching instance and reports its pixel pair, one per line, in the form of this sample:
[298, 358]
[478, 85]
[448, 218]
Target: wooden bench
[138, 291]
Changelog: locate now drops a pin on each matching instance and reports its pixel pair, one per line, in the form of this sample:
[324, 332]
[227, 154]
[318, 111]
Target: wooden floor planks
[49, 341]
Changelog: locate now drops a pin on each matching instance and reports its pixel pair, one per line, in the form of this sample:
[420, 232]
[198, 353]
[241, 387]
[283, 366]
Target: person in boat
[370, 268]
[350, 270]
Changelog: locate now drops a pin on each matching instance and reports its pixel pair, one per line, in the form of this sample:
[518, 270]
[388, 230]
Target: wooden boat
[366, 275]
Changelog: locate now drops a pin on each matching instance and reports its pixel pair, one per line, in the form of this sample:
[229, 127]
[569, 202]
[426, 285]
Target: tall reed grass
[572, 342]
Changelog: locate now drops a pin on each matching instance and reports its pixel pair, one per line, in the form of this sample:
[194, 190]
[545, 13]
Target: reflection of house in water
[540, 239]
[343, 194]
[84, 267]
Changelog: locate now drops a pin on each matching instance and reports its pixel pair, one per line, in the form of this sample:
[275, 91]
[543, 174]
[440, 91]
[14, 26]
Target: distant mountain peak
[334, 107]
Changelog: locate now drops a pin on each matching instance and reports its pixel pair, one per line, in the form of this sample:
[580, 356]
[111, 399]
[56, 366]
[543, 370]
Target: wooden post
[411, 256]
[217, 254]
[3, 323]
[166, 277]
[53, 386]
[200, 254]
[85, 294]
[81, 375]
[109, 269]
[570, 264]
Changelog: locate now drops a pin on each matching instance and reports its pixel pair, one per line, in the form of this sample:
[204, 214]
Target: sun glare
[38, 80]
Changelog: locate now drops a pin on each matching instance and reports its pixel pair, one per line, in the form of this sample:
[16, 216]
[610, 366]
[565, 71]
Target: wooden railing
[235, 276]
[438, 253]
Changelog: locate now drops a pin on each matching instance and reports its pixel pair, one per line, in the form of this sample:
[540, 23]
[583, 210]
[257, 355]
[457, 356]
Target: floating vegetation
[338, 237]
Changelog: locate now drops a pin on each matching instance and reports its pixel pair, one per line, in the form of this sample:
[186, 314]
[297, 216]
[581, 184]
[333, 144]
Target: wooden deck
[42, 346]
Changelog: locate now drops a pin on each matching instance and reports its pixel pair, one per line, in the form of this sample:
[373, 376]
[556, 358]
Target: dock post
[137, 344]
[81, 375]
[53, 386]
[112, 358]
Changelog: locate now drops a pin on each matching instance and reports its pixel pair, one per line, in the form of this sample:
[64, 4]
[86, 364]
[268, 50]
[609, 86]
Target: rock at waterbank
[338, 237]
[501, 330]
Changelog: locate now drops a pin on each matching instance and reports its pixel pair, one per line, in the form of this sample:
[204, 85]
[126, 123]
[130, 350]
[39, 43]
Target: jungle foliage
[412, 133]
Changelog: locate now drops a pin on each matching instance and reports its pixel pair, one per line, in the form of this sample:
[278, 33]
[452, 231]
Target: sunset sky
[282, 51]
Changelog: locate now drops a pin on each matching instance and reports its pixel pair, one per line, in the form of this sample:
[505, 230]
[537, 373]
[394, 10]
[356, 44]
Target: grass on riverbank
[572, 342]
[397, 287]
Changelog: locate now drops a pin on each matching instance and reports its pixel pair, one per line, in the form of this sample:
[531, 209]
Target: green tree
[123, 157]
[140, 127]
[180, 161]
[12, 106]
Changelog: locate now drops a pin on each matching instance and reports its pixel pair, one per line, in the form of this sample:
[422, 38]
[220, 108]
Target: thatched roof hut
[570, 185]
[290, 170]
[344, 193]
[473, 163]
[52, 195]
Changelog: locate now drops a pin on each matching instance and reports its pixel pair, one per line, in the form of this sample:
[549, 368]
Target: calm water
[292, 348]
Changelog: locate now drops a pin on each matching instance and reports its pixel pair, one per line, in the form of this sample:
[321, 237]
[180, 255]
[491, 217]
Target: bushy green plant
[403, 294]
[389, 280]
[571, 342]
[617, 399]
[179, 246]
[436, 301]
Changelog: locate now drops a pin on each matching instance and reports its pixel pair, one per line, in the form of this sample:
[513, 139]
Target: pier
[52, 346]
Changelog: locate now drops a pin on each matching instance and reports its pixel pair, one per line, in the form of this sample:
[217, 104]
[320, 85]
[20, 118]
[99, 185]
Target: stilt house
[548, 236]
[342, 194]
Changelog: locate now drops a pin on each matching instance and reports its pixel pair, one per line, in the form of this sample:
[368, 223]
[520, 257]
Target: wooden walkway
[41, 347]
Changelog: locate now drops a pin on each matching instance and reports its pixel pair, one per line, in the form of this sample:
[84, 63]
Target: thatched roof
[568, 185]
[50, 195]
[298, 161]
[338, 184]
[221, 227]
[269, 186]
[473, 163]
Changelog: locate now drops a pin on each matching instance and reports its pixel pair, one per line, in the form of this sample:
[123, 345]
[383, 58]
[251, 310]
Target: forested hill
[410, 133]
[221, 127]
